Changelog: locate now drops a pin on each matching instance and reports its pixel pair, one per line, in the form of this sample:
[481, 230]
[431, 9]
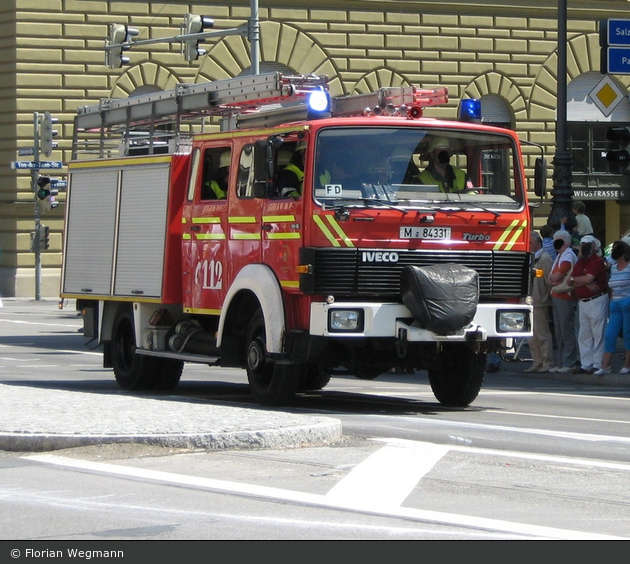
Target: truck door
[244, 216]
[282, 222]
[204, 229]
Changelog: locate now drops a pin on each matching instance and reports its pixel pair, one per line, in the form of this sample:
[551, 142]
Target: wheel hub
[256, 356]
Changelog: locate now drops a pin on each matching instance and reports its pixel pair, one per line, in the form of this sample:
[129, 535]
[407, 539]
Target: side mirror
[540, 177]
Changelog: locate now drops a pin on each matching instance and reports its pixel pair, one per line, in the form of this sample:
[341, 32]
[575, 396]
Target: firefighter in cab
[440, 172]
[219, 184]
[291, 177]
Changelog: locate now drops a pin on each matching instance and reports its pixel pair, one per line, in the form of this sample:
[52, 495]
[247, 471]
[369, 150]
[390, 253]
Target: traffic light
[44, 239]
[47, 134]
[194, 24]
[621, 137]
[44, 187]
[117, 42]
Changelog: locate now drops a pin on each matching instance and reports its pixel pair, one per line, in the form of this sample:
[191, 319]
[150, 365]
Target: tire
[134, 371]
[271, 383]
[313, 378]
[458, 376]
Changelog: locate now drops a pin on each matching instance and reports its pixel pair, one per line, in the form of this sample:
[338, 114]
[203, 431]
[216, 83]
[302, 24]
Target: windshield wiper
[367, 201]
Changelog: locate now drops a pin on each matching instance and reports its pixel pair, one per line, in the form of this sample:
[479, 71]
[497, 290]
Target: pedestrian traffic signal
[47, 133]
[621, 137]
[44, 187]
[193, 25]
[44, 239]
[117, 42]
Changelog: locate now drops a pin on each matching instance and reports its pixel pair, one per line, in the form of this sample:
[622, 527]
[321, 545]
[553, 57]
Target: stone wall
[52, 59]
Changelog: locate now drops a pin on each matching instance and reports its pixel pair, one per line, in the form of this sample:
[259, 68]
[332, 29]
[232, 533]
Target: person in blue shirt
[619, 312]
[546, 232]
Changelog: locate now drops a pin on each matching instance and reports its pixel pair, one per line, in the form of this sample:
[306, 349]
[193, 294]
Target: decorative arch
[381, 77]
[279, 43]
[583, 55]
[143, 74]
[496, 83]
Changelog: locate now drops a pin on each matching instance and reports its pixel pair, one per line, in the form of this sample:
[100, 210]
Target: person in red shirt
[563, 305]
[589, 279]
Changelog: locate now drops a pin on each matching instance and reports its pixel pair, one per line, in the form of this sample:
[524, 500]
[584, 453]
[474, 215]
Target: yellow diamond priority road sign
[606, 95]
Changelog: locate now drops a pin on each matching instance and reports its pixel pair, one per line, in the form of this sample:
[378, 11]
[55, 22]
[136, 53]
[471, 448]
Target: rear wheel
[272, 383]
[134, 371]
[458, 376]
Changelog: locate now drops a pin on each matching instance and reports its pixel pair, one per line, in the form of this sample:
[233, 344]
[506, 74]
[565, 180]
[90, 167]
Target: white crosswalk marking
[388, 476]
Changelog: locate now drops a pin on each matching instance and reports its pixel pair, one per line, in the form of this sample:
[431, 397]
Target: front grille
[343, 272]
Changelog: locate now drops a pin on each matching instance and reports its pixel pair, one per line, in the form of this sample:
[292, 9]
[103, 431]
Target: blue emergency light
[470, 110]
[318, 104]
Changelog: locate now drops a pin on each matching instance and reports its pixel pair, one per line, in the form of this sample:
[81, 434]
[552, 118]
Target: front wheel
[458, 375]
[272, 383]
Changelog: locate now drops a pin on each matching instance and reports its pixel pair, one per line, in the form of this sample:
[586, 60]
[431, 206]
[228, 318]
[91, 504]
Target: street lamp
[562, 192]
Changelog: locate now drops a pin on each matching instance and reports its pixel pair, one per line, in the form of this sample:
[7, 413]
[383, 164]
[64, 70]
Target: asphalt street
[41, 419]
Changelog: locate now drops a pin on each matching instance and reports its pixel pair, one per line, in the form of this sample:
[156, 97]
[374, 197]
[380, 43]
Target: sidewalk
[39, 418]
[615, 379]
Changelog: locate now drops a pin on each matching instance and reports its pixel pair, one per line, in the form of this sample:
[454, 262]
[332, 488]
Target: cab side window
[216, 173]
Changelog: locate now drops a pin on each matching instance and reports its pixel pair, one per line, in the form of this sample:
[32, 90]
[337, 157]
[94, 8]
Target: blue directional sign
[618, 60]
[618, 32]
[36, 164]
[59, 184]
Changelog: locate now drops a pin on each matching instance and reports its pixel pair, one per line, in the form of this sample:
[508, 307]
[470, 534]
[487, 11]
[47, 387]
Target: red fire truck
[363, 267]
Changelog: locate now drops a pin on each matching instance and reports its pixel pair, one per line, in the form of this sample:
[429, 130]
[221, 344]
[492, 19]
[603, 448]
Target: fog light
[345, 320]
[510, 321]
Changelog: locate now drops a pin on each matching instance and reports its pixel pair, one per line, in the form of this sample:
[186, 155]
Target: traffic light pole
[251, 30]
[562, 192]
[34, 178]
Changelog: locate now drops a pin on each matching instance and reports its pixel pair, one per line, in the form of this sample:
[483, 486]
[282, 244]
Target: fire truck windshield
[416, 166]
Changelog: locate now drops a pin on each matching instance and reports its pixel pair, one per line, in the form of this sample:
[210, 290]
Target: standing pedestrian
[589, 279]
[541, 342]
[563, 304]
[619, 316]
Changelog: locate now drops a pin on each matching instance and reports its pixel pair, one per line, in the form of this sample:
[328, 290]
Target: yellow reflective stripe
[125, 162]
[183, 220]
[205, 311]
[236, 220]
[290, 284]
[277, 218]
[318, 221]
[186, 236]
[516, 235]
[206, 220]
[339, 230]
[506, 233]
[247, 236]
[210, 236]
[283, 236]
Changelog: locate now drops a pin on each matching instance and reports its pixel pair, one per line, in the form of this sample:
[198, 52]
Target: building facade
[505, 53]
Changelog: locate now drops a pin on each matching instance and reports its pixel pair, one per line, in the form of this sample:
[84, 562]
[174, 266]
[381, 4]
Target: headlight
[512, 321]
[345, 320]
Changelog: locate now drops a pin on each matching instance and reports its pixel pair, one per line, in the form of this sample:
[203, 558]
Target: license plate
[425, 232]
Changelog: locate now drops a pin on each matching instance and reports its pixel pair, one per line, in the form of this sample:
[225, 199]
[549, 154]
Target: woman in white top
[619, 316]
